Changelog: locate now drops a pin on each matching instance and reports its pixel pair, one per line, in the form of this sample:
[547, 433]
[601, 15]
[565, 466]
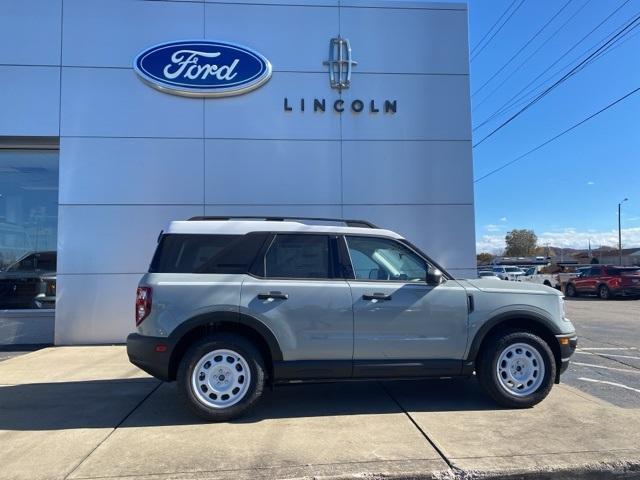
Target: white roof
[240, 227]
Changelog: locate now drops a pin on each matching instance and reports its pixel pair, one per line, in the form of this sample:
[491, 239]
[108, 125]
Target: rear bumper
[568, 344]
[144, 353]
[628, 291]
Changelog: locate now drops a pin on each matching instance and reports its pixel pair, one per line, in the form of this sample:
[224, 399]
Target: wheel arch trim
[517, 315]
[214, 319]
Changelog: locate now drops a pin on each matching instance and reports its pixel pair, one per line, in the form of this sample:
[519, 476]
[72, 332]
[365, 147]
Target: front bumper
[568, 344]
[151, 354]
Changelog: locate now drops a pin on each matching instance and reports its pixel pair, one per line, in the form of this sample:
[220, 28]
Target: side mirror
[434, 276]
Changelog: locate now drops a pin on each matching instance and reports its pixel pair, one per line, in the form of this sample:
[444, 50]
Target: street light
[620, 233]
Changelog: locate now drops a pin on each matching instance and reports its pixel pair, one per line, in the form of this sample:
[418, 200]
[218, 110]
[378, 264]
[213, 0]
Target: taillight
[143, 304]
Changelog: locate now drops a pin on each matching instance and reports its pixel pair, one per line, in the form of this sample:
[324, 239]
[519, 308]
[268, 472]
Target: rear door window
[299, 256]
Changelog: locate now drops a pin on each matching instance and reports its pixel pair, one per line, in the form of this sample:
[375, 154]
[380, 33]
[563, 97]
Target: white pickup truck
[532, 275]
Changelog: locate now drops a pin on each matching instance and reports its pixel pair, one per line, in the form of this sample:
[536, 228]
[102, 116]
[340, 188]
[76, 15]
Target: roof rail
[348, 223]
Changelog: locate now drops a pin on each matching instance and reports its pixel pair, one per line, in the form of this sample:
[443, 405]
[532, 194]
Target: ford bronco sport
[232, 304]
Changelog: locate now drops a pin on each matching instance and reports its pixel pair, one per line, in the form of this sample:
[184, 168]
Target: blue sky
[568, 191]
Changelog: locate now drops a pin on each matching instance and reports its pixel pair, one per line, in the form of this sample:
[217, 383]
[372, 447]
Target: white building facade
[103, 160]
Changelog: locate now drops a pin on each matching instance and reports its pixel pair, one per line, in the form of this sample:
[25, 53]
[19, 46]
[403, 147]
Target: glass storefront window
[28, 228]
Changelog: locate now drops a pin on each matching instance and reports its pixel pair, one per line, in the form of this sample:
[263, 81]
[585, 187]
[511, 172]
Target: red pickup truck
[606, 281]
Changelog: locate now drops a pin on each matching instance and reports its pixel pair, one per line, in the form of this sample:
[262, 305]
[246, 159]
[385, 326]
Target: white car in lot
[488, 275]
[507, 272]
[534, 276]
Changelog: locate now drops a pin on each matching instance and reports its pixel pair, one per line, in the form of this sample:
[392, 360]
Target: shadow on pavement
[145, 402]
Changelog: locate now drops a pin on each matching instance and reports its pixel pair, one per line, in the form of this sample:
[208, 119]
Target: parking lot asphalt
[86, 413]
[607, 361]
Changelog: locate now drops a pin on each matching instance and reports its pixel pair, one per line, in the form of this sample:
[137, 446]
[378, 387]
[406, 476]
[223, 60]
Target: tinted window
[384, 259]
[622, 271]
[298, 256]
[596, 271]
[188, 253]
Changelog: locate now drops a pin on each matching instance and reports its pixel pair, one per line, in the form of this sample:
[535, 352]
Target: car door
[589, 283]
[402, 324]
[297, 292]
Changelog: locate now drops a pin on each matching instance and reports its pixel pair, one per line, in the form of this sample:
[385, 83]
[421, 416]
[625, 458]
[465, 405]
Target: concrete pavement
[85, 412]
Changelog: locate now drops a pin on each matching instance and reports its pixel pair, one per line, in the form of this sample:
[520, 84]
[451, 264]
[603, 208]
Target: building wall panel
[108, 102]
[95, 308]
[110, 33]
[131, 171]
[275, 31]
[408, 40]
[396, 172]
[30, 32]
[261, 114]
[108, 239]
[30, 100]
[298, 172]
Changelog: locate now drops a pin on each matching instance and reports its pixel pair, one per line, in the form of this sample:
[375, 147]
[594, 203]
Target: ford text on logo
[202, 68]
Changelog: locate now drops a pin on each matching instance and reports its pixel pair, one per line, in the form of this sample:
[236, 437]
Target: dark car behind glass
[29, 283]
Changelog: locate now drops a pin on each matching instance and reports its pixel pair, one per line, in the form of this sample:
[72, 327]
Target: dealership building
[119, 116]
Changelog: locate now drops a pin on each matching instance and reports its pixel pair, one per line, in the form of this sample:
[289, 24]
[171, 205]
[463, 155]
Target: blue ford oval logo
[202, 68]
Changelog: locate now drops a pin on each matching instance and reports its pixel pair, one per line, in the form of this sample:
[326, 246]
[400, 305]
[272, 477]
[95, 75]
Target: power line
[505, 65]
[515, 97]
[473, 56]
[493, 26]
[526, 97]
[558, 30]
[561, 80]
[564, 132]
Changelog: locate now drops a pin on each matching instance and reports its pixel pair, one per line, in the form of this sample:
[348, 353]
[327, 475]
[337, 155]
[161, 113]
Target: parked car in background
[507, 272]
[605, 281]
[489, 274]
[533, 275]
[29, 283]
[230, 306]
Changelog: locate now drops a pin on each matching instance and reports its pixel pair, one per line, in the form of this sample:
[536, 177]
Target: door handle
[273, 295]
[376, 296]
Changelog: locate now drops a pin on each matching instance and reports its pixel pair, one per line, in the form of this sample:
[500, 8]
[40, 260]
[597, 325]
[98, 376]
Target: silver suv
[232, 304]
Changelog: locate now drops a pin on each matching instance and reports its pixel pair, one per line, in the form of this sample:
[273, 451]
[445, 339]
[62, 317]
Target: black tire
[222, 341]
[486, 369]
[547, 283]
[570, 290]
[604, 293]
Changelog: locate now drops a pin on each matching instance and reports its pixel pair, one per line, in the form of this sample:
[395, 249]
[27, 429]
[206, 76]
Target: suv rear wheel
[517, 369]
[571, 290]
[221, 377]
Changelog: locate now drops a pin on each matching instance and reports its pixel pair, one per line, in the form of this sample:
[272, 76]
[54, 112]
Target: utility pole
[620, 232]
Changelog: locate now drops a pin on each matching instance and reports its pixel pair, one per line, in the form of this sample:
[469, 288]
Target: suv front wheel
[221, 377]
[517, 369]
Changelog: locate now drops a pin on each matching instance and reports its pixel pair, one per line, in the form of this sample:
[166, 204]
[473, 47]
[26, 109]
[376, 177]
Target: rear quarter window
[196, 253]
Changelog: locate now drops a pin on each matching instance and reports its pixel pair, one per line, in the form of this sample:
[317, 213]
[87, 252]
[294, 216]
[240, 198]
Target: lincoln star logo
[202, 68]
[340, 63]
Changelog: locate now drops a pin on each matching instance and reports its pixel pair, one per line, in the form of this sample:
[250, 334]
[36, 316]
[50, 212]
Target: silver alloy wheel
[520, 369]
[221, 378]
